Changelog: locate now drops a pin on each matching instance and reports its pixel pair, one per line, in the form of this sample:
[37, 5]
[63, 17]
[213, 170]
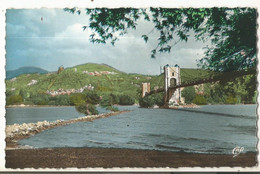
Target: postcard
[148, 88]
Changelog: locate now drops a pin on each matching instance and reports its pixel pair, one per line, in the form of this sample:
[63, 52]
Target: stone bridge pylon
[146, 88]
[172, 77]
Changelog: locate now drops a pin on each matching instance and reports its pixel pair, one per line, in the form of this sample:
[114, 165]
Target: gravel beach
[108, 158]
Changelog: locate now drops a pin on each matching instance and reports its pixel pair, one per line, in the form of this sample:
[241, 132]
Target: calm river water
[209, 129]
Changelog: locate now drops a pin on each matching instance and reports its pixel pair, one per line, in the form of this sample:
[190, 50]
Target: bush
[62, 100]
[77, 99]
[109, 100]
[15, 99]
[88, 96]
[92, 97]
[38, 99]
[147, 102]
[112, 108]
[231, 100]
[87, 109]
[9, 93]
[51, 102]
[126, 100]
[199, 100]
[159, 99]
[24, 94]
[189, 94]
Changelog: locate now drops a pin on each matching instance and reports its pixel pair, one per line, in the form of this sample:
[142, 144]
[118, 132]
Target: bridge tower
[145, 89]
[172, 78]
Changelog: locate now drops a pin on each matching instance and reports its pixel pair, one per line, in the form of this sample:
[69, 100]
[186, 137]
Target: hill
[104, 79]
[101, 78]
[24, 70]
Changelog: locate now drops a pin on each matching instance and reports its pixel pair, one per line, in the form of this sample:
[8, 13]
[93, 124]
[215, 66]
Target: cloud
[59, 39]
[73, 31]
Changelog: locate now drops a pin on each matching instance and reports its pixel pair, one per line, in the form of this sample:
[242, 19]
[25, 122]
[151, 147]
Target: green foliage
[189, 94]
[92, 97]
[86, 97]
[239, 90]
[199, 100]
[39, 99]
[243, 88]
[77, 99]
[232, 31]
[109, 100]
[214, 93]
[126, 100]
[87, 109]
[15, 99]
[231, 100]
[159, 99]
[234, 41]
[145, 37]
[255, 97]
[24, 94]
[112, 108]
[9, 93]
[147, 102]
[62, 100]
[118, 84]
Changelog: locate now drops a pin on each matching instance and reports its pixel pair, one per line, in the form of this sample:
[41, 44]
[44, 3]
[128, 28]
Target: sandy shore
[108, 158]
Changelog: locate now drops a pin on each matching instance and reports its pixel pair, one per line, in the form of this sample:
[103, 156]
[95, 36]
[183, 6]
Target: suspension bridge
[173, 83]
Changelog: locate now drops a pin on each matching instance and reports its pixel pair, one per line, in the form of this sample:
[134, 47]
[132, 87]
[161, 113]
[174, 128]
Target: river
[214, 129]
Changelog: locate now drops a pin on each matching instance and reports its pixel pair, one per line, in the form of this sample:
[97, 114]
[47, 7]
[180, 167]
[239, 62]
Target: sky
[59, 39]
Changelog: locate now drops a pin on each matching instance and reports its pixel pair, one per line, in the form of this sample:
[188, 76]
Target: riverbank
[16, 132]
[34, 106]
[108, 158]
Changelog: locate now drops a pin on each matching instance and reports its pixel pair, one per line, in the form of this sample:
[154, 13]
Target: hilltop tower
[61, 68]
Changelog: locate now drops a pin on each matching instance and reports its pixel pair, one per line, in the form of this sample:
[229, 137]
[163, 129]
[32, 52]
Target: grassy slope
[120, 83]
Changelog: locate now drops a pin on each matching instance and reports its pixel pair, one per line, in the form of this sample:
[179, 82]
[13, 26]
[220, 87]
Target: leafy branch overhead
[232, 32]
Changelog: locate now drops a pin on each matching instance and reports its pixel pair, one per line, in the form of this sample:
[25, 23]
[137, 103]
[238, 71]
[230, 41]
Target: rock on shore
[184, 106]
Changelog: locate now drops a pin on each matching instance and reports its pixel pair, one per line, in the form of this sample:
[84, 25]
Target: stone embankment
[184, 106]
[17, 132]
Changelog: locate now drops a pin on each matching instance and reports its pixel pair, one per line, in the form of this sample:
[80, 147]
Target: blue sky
[58, 40]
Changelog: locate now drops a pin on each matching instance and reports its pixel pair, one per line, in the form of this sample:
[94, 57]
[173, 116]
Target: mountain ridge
[24, 70]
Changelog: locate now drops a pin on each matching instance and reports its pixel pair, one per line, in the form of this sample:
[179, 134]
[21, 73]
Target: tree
[147, 101]
[199, 100]
[85, 102]
[126, 100]
[232, 31]
[24, 94]
[92, 97]
[108, 101]
[14, 99]
[38, 99]
[189, 94]
[87, 109]
[77, 99]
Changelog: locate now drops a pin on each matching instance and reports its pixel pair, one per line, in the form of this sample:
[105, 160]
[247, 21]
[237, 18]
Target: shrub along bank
[240, 91]
[84, 102]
